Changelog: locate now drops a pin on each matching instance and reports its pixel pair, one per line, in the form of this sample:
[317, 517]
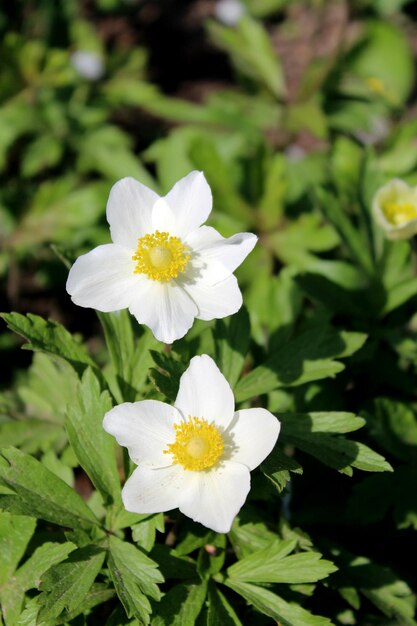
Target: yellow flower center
[398, 213]
[376, 85]
[198, 444]
[160, 256]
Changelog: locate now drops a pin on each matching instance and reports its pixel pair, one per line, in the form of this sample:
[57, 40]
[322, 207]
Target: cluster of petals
[148, 429]
[203, 286]
[395, 208]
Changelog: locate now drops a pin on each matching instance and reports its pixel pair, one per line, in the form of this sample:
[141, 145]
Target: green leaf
[61, 209]
[316, 434]
[277, 468]
[37, 492]
[309, 356]
[250, 537]
[331, 208]
[384, 54]
[65, 585]
[28, 576]
[144, 533]
[206, 156]
[220, 612]
[15, 533]
[381, 585]
[251, 50]
[272, 605]
[131, 359]
[134, 576]
[107, 150]
[50, 337]
[174, 566]
[272, 565]
[93, 447]
[45, 151]
[393, 424]
[167, 377]
[49, 387]
[181, 605]
[231, 343]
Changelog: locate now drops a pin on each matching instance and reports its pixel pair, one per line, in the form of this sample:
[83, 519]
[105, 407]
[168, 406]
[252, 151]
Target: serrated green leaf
[381, 585]
[135, 576]
[93, 447]
[15, 533]
[28, 576]
[273, 565]
[272, 605]
[317, 436]
[65, 585]
[37, 492]
[181, 605]
[172, 565]
[250, 537]
[220, 612]
[50, 385]
[277, 468]
[231, 342]
[167, 378]
[50, 337]
[131, 360]
[310, 356]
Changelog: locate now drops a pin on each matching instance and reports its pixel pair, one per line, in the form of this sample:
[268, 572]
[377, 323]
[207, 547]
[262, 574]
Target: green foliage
[33, 490]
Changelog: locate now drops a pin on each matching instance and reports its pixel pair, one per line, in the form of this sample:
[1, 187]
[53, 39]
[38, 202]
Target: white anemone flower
[395, 208]
[162, 265]
[196, 455]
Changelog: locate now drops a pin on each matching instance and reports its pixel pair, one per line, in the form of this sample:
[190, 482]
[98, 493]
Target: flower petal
[215, 301]
[145, 429]
[191, 201]
[103, 279]
[129, 211]
[166, 309]
[254, 433]
[215, 497]
[215, 257]
[163, 219]
[150, 490]
[204, 392]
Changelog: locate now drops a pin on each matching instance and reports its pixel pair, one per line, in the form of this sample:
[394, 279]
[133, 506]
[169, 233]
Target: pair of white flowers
[168, 269]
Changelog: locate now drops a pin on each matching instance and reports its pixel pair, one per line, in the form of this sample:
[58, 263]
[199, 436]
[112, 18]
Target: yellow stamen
[398, 213]
[198, 444]
[376, 85]
[160, 256]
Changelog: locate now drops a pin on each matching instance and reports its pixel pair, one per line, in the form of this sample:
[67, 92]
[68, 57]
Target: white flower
[229, 11]
[395, 208]
[89, 65]
[196, 455]
[163, 265]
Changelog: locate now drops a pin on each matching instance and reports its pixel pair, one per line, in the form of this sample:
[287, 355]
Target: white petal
[216, 258]
[166, 309]
[129, 211]
[150, 490]
[190, 200]
[215, 301]
[104, 279]
[254, 433]
[163, 219]
[214, 497]
[145, 429]
[204, 392]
